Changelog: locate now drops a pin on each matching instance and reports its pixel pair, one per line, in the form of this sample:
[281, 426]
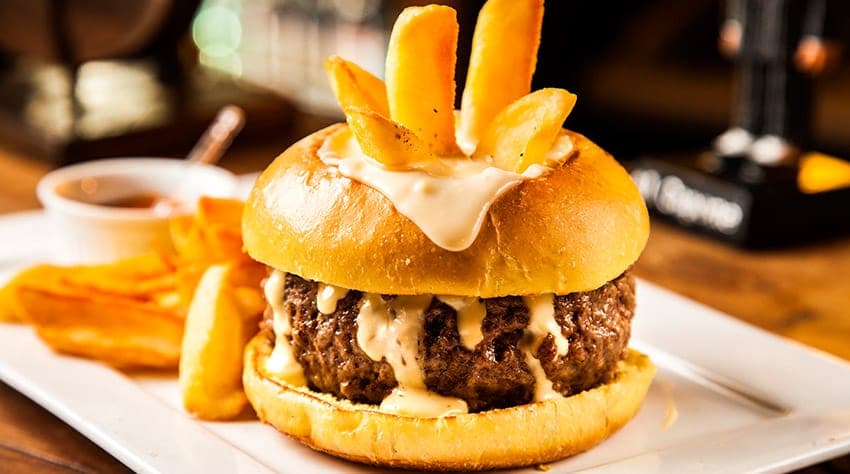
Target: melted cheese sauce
[447, 198]
[282, 360]
[542, 323]
[543, 389]
[470, 317]
[328, 296]
[541, 309]
[390, 330]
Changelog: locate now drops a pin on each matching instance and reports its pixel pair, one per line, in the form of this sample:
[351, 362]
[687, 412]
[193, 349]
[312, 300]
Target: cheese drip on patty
[391, 330]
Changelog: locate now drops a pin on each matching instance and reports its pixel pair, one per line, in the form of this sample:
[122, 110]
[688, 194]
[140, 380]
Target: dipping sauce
[134, 201]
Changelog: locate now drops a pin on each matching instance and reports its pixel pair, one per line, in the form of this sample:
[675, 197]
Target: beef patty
[493, 375]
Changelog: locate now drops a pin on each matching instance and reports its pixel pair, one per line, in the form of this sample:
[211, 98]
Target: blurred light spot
[820, 173]
[49, 109]
[217, 32]
[116, 96]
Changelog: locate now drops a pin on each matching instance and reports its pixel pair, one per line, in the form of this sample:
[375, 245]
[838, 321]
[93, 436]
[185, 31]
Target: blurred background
[83, 79]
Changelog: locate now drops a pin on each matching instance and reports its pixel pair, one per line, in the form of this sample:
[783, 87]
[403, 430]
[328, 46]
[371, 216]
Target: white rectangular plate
[727, 397]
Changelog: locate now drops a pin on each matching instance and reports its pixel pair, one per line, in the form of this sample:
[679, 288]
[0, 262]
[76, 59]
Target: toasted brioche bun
[573, 229]
[518, 436]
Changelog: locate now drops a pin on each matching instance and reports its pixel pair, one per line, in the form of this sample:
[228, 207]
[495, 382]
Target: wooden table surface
[801, 293]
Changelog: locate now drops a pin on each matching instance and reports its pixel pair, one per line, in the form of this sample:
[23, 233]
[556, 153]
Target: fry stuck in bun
[447, 290]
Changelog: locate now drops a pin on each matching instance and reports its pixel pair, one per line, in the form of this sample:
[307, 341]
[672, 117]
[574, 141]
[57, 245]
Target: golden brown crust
[519, 436]
[573, 229]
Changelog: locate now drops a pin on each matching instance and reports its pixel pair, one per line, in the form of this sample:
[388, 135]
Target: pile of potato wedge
[194, 308]
[410, 117]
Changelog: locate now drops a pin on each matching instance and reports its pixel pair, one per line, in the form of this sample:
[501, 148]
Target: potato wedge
[11, 310]
[119, 331]
[353, 86]
[222, 213]
[189, 273]
[98, 280]
[139, 279]
[389, 143]
[211, 359]
[248, 274]
[130, 313]
[168, 300]
[212, 236]
[186, 237]
[223, 244]
[420, 69]
[523, 132]
[123, 275]
[252, 301]
[501, 63]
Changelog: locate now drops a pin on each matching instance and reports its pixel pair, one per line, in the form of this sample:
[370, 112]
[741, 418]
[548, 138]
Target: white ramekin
[85, 232]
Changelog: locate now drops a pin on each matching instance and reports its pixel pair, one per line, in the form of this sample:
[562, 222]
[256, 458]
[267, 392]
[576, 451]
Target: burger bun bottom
[523, 435]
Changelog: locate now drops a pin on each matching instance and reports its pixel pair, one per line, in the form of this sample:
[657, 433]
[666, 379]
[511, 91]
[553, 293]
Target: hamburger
[447, 290]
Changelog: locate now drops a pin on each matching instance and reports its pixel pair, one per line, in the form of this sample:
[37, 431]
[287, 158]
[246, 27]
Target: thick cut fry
[523, 132]
[420, 74]
[502, 61]
[211, 361]
[353, 86]
[385, 141]
[119, 331]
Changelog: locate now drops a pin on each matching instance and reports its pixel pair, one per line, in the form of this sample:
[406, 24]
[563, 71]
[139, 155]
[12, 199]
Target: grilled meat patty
[493, 375]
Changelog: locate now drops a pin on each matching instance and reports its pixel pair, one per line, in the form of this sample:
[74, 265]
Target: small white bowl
[87, 232]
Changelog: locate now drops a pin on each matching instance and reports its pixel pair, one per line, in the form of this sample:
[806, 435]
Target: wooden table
[802, 293]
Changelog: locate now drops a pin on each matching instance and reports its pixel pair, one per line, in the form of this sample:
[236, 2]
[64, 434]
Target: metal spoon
[207, 151]
[218, 136]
